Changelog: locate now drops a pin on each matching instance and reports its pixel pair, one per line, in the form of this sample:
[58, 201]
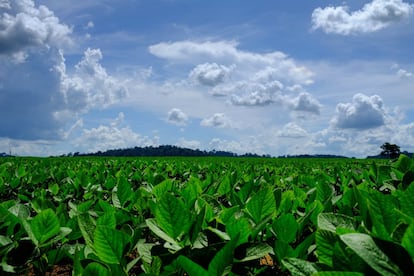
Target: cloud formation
[373, 16]
[257, 79]
[292, 130]
[364, 112]
[112, 136]
[218, 120]
[210, 74]
[304, 102]
[177, 117]
[23, 25]
[256, 94]
[90, 86]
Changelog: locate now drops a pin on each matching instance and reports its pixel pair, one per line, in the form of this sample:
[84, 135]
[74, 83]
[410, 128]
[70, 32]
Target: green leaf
[110, 244]
[257, 251]
[325, 244]
[124, 191]
[286, 228]
[338, 273]
[108, 219]
[364, 246]
[153, 226]
[403, 164]
[408, 240]
[406, 201]
[381, 209]
[94, 269]
[224, 186]
[331, 222]
[196, 227]
[261, 205]
[408, 178]
[162, 188]
[192, 268]
[223, 258]
[87, 227]
[45, 225]
[324, 193]
[299, 267]
[172, 216]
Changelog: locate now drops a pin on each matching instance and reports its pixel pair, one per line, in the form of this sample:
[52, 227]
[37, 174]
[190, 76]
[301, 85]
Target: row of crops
[206, 216]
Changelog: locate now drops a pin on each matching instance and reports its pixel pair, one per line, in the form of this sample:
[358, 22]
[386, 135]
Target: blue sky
[268, 77]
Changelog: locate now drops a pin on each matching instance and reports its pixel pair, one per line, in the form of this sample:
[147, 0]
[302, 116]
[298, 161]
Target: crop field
[206, 216]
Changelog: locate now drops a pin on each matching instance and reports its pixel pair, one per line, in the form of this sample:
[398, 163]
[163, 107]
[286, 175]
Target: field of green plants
[206, 216]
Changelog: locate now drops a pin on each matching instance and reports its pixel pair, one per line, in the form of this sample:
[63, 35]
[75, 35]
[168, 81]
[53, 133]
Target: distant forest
[168, 150]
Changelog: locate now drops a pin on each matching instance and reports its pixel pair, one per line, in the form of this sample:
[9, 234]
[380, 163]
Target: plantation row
[206, 216]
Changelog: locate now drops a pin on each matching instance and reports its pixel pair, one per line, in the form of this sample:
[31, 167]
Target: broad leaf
[110, 244]
[381, 209]
[286, 228]
[261, 205]
[124, 191]
[406, 201]
[257, 251]
[172, 216]
[45, 225]
[87, 227]
[223, 259]
[408, 240]
[325, 244]
[364, 246]
[299, 267]
[94, 269]
[331, 222]
[192, 268]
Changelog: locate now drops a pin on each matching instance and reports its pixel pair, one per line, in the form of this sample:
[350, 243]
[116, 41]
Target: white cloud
[218, 120]
[89, 25]
[190, 144]
[90, 86]
[292, 130]
[23, 25]
[373, 16]
[112, 136]
[404, 74]
[363, 113]
[210, 74]
[177, 117]
[256, 94]
[249, 145]
[304, 102]
[276, 64]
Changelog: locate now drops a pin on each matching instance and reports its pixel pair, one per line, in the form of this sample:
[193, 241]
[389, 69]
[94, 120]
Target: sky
[265, 77]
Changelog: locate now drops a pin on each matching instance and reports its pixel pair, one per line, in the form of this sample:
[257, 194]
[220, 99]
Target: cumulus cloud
[364, 112]
[373, 16]
[256, 94]
[210, 74]
[23, 25]
[257, 79]
[190, 144]
[247, 145]
[177, 117]
[304, 102]
[112, 136]
[292, 130]
[90, 86]
[218, 120]
[227, 53]
[401, 73]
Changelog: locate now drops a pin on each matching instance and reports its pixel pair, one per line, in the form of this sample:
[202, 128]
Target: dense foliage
[207, 216]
